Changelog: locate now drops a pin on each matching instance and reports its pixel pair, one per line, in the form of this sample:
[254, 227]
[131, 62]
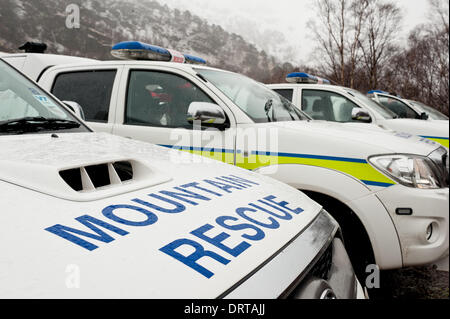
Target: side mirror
[75, 108]
[206, 113]
[361, 115]
[423, 116]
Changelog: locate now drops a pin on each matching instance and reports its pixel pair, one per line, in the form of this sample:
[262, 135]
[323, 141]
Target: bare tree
[381, 28]
[330, 34]
[358, 11]
[338, 31]
[421, 71]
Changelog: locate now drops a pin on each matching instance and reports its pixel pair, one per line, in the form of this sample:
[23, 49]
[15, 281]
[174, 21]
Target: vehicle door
[94, 88]
[327, 105]
[153, 106]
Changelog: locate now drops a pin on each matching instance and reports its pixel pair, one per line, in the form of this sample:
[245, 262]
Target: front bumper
[313, 265]
[339, 280]
[429, 208]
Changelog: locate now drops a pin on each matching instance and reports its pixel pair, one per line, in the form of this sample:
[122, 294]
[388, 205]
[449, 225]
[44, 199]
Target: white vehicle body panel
[177, 228]
[36, 63]
[434, 130]
[325, 157]
[140, 270]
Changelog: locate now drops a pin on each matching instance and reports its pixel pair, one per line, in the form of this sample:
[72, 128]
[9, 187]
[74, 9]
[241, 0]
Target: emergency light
[301, 77]
[134, 50]
[377, 91]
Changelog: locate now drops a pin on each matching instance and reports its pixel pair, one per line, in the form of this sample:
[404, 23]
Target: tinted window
[91, 89]
[327, 106]
[286, 93]
[399, 108]
[160, 99]
[432, 112]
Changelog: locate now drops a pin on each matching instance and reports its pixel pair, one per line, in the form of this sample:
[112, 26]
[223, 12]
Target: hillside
[103, 23]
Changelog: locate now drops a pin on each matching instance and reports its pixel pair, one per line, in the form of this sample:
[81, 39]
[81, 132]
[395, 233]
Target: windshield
[25, 108]
[432, 113]
[261, 104]
[373, 105]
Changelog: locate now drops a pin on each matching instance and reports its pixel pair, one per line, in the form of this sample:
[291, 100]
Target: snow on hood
[119, 246]
[421, 127]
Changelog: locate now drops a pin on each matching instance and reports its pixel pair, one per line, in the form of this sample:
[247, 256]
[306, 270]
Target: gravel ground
[412, 283]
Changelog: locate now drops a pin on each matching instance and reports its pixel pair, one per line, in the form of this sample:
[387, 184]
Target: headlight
[409, 170]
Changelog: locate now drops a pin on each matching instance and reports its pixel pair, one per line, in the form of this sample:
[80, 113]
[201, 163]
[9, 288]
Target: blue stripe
[371, 183]
[330, 158]
[436, 137]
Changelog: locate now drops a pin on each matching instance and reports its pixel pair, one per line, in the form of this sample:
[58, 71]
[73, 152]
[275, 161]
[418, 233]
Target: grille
[322, 267]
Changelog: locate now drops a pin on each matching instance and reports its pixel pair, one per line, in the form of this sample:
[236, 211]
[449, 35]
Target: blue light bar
[194, 59]
[134, 50]
[301, 77]
[377, 91]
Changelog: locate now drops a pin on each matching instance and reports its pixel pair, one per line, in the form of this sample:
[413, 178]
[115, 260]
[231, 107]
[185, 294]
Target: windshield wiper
[35, 124]
[267, 107]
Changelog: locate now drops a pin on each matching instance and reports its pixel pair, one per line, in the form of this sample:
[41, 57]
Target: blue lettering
[195, 185]
[86, 220]
[286, 215]
[217, 241]
[233, 183]
[284, 204]
[191, 260]
[241, 212]
[239, 180]
[259, 235]
[109, 213]
[185, 193]
[222, 186]
[178, 208]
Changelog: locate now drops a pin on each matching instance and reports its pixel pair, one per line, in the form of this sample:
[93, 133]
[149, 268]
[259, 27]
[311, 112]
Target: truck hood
[356, 141]
[125, 240]
[419, 127]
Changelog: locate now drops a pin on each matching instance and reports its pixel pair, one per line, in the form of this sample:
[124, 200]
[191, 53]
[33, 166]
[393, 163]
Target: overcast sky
[257, 20]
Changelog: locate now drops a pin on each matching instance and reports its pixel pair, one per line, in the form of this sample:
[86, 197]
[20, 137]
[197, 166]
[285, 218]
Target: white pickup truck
[405, 108]
[92, 215]
[335, 103]
[388, 191]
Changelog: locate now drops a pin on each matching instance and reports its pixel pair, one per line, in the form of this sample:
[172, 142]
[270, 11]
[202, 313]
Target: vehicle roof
[49, 60]
[182, 66]
[316, 86]
[35, 63]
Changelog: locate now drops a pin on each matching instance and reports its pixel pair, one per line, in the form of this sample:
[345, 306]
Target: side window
[327, 106]
[286, 93]
[399, 108]
[160, 99]
[91, 89]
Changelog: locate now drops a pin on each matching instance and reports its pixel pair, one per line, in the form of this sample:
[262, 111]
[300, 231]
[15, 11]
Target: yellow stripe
[443, 142]
[361, 171]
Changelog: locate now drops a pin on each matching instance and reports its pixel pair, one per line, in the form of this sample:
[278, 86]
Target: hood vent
[100, 176]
